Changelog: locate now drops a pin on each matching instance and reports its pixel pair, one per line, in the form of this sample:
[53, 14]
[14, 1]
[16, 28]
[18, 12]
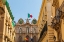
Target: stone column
[62, 29]
[6, 40]
[7, 28]
[50, 32]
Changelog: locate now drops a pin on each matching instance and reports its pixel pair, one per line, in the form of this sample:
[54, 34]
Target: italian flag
[29, 15]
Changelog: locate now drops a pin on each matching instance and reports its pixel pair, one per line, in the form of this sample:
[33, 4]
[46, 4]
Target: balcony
[56, 20]
[43, 30]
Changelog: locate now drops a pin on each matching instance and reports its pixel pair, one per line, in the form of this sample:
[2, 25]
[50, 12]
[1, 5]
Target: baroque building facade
[51, 13]
[26, 32]
[6, 28]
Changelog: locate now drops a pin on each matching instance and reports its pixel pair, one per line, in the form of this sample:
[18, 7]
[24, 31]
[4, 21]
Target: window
[34, 30]
[27, 29]
[20, 30]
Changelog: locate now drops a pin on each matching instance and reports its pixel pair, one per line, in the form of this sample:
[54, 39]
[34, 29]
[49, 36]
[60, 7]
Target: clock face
[20, 21]
[34, 21]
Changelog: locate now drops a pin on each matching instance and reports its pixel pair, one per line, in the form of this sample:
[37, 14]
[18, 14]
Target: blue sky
[21, 8]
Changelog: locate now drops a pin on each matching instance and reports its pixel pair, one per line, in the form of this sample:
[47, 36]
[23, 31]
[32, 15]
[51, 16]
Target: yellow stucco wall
[55, 34]
[53, 13]
[41, 18]
[45, 39]
[6, 24]
[60, 2]
[62, 29]
[62, 25]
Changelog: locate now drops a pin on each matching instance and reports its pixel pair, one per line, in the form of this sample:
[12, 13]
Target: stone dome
[34, 21]
[20, 21]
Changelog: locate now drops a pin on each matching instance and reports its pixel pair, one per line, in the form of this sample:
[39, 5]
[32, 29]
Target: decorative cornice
[2, 10]
[9, 10]
[62, 6]
[61, 9]
[55, 23]
[55, 3]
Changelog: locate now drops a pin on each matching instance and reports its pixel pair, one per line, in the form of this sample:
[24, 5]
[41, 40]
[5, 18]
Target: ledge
[9, 10]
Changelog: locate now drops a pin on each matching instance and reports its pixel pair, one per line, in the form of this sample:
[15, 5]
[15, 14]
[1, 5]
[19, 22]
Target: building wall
[45, 39]
[62, 28]
[42, 17]
[33, 31]
[61, 19]
[50, 14]
[6, 29]
[46, 13]
[60, 2]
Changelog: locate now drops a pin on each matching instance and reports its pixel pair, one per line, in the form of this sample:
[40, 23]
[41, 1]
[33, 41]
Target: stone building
[52, 11]
[6, 28]
[26, 32]
[58, 20]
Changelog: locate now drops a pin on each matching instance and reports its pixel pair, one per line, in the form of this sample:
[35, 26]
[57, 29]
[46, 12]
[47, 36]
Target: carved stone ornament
[20, 21]
[62, 7]
[1, 10]
[34, 21]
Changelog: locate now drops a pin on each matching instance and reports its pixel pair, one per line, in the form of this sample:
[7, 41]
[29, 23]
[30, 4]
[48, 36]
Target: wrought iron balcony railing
[43, 30]
[56, 19]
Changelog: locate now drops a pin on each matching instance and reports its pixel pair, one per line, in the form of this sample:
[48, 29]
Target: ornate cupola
[34, 21]
[20, 21]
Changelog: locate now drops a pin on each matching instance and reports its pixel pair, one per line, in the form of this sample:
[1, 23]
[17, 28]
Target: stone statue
[27, 20]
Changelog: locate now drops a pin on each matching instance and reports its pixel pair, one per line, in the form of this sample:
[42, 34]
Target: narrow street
[31, 20]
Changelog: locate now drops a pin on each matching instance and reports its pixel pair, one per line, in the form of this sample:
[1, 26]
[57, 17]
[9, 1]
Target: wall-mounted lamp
[51, 17]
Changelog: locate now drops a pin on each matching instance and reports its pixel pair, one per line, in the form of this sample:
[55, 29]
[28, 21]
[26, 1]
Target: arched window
[34, 39]
[34, 30]
[20, 39]
[27, 29]
[16, 30]
[20, 30]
